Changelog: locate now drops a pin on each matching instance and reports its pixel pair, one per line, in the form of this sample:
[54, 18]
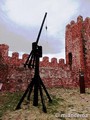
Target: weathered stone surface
[15, 77]
[78, 48]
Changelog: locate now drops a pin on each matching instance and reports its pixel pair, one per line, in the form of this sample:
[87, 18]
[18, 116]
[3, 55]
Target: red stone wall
[78, 43]
[86, 39]
[15, 77]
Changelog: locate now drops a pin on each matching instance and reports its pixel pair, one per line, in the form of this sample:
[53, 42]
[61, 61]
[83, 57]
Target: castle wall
[78, 43]
[15, 77]
[86, 48]
[74, 44]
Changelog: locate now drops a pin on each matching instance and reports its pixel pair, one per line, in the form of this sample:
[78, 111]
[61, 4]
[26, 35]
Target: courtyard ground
[67, 104]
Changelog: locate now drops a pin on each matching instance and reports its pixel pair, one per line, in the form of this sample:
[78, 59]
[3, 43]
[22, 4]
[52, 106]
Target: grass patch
[53, 106]
[8, 101]
[61, 103]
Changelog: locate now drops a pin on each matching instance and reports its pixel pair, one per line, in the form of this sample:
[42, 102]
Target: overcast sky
[20, 21]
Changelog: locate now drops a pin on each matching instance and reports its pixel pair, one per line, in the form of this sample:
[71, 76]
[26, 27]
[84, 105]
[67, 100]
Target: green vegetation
[8, 101]
[63, 102]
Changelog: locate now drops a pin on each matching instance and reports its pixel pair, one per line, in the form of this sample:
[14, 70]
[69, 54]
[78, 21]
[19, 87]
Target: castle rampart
[78, 47]
[54, 74]
[15, 77]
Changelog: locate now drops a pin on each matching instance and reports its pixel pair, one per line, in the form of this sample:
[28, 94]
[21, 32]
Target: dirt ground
[67, 104]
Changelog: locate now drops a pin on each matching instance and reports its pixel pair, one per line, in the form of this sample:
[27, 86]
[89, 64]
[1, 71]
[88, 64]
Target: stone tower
[3, 66]
[77, 46]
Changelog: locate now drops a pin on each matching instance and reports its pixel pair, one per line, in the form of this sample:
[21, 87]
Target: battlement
[79, 21]
[45, 62]
[15, 77]
[78, 45]
[4, 49]
[15, 60]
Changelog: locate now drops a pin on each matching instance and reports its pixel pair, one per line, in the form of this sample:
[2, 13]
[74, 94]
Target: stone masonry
[14, 77]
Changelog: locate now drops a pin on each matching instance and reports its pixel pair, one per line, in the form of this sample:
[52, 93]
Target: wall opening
[70, 58]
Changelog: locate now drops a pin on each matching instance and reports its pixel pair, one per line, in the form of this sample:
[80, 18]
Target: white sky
[20, 21]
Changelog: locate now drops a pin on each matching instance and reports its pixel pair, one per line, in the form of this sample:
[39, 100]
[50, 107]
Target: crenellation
[87, 20]
[4, 49]
[15, 55]
[15, 77]
[61, 61]
[45, 59]
[76, 47]
[79, 19]
[72, 22]
[45, 62]
[24, 57]
[68, 26]
[54, 62]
